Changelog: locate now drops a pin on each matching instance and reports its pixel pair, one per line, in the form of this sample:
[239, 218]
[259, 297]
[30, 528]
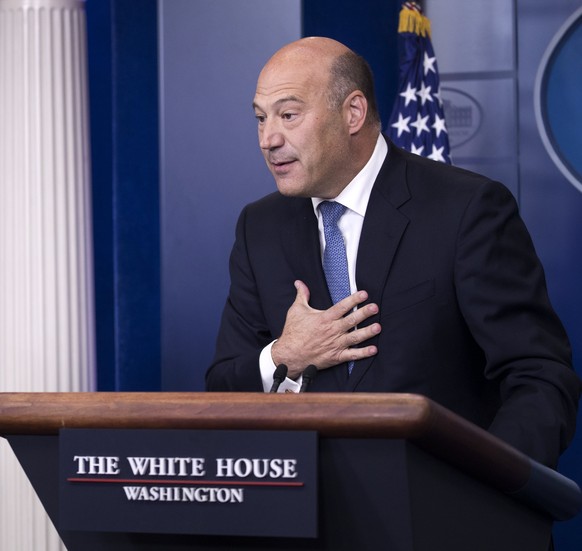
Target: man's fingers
[356, 317]
[341, 308]
[354, 354]
[358, 336]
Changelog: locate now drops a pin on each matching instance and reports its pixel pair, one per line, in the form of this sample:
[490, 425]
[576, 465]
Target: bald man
[446, 296]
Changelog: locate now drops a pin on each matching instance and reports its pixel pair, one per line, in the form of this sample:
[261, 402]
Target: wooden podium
[396, 471]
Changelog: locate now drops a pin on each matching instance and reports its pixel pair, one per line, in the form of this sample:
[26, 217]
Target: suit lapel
[384, 226]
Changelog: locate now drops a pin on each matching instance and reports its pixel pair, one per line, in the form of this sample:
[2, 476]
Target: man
[448, 298]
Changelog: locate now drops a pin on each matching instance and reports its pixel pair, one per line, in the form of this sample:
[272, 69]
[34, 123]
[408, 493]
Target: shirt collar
[356, 194]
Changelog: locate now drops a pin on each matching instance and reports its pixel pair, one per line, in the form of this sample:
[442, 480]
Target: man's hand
[324, 338]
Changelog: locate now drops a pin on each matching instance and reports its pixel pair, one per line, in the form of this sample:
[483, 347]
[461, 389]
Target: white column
[46, 276]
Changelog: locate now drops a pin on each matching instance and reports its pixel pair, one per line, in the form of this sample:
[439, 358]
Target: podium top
[332, 415]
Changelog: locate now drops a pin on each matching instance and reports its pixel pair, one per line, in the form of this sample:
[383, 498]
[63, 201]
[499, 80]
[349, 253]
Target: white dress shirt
[354, 197]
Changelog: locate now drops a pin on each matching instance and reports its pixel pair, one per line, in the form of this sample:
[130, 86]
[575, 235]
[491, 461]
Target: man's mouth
[281, 166]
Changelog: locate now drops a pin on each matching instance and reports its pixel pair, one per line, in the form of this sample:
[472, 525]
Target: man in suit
[448, 297]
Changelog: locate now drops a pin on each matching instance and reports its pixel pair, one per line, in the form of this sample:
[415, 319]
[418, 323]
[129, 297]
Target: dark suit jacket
[465, 315]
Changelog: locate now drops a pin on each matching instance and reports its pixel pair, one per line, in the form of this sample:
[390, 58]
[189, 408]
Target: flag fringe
[412, 21]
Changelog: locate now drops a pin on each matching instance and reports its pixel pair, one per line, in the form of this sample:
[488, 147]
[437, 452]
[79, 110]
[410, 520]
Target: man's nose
[270, 136]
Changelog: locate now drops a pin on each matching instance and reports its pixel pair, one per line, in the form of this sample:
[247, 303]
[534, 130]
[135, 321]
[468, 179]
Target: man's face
[303, 140]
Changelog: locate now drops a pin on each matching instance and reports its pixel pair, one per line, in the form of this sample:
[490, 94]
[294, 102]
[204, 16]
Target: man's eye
[288, 116]
[260, 118]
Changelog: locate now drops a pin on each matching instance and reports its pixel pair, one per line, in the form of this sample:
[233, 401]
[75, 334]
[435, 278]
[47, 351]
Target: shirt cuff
[267, 367]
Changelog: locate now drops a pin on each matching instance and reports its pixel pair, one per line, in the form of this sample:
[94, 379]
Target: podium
[396, 471]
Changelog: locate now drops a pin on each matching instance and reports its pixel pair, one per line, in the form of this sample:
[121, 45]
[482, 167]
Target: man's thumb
[302, 292]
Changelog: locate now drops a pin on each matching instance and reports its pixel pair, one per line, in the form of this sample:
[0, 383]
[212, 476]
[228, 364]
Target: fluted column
[46, 286]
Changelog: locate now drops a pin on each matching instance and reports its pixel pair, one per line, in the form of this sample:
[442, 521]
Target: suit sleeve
[243, 330]
[502, 293]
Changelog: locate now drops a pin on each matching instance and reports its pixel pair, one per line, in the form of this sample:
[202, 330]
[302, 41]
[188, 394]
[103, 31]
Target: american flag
[417, 123]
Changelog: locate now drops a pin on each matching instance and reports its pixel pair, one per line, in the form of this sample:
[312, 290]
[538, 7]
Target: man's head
[317, 116]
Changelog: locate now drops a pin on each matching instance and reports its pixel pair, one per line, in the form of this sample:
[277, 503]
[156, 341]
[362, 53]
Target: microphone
[308, 376]
[278, 377]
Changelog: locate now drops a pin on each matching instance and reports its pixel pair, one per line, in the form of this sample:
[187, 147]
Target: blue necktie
[335, 261]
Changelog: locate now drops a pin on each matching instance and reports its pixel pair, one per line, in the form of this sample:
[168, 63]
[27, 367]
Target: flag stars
[437, 154]
[420, 124]
[438, 125]
[424, 93]
[416, 150]
[417, 122]
[428, 64]
[438, 96]
[409, 94]
[401, 124]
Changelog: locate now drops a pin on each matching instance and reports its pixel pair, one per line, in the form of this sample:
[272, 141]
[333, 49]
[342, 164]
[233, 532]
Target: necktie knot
[331, 212]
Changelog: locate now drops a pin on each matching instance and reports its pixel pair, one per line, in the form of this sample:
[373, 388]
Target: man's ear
[355, 111]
